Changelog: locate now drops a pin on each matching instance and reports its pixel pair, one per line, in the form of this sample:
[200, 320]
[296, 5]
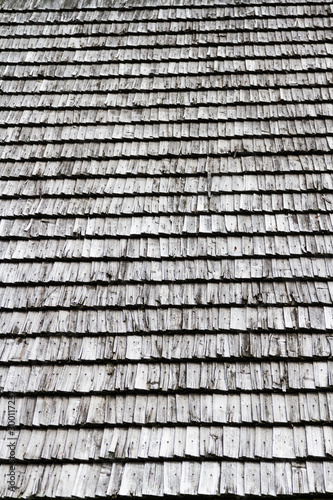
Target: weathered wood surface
[166, 277]
[227, 477]
[219, 376]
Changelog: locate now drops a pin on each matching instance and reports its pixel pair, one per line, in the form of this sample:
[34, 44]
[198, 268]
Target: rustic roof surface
[166, 248]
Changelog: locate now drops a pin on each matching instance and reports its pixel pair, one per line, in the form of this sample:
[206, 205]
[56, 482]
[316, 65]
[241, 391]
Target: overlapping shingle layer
[166, 247]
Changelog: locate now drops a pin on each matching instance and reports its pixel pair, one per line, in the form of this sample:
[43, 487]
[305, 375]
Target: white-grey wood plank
[209, 478]
[132, 480]
[190, 477]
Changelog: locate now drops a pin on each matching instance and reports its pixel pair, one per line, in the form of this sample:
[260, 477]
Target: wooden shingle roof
[166, 276]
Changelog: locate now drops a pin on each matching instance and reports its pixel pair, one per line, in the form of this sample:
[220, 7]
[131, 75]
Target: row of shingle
[160, 205]
[179, 167]
[171, 319]
[163, 83]
[178, 409]
[86, 108]
[135, 27]
[161, 148]
[166, 294]
[176, 167]
[165, 226]
[206, 53]
[189, 271]
[171, 442]
[183, 39]
[262, 184]
[63, 71]
[170, 248]
[207, 376]
[65, 5]
[79, 4]
[177, 130]
[293, 113]
[214, 12]
[171, 346]
[171, 479]
[166, 270]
